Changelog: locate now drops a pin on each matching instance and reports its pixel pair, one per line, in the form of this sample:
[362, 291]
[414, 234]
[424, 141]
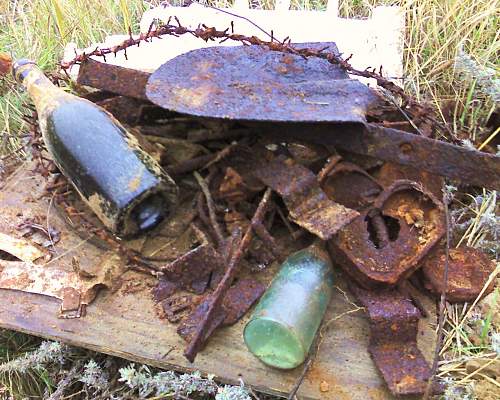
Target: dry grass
[438, 33]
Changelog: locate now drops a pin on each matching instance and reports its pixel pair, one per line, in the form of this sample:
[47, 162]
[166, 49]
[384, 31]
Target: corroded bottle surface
[122, 184]
[284, 322]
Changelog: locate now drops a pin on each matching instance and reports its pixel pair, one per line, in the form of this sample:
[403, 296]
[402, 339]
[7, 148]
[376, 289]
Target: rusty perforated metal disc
[254, 84]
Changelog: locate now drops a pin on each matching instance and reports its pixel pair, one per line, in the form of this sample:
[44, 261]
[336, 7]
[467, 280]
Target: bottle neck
[41, 90]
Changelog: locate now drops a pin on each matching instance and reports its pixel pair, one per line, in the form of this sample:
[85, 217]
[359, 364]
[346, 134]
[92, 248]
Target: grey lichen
[94, 377]
[146, 383]
[486, 78]
[47, 353]
[232, 393]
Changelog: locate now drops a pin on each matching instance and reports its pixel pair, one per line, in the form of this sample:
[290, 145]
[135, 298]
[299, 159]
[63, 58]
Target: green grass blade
[60, 18]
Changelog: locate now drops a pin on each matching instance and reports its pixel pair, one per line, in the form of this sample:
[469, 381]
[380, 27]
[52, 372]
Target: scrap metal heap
[253, 189]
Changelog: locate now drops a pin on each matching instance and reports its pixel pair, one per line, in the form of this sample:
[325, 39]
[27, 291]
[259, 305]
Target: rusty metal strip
[114, 79]
[308, 205]
[435, 156]
[393, 341]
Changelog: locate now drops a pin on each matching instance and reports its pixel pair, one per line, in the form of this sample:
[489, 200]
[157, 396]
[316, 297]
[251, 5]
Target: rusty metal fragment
[351, 186]
[414, 224]
[237, 301]
[390, 172]
[177, 151]
[127, 110]
[233, 187]
[468, 272]
[71, 305]
[309, 155]
[435, 156]
[112, 78]
[393, 340]
[193, 269]
[164, 289]
[190, 326]
[177, 307]
[308, 205]
[239, 298]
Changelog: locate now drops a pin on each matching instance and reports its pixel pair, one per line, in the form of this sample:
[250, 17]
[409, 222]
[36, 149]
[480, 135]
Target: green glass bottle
[285, 321]
[125, 187]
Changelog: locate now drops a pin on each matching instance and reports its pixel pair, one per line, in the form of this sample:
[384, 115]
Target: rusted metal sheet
[393, 341]
[114, 79]
[308, 205]
[468, 272]
[435, 156]
[193, 269]
[239, 298]
[127, 110]
[237, 301]
[413, 220]
[390, 172]
[252, 83]
[351, 186]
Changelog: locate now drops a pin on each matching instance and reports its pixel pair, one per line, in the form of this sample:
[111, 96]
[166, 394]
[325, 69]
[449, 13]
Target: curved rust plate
[251, 83]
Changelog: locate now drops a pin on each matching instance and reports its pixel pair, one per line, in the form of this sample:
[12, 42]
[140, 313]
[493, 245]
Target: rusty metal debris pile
[270, 151]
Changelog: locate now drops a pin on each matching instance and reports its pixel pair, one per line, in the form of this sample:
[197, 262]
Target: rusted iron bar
[114, 79]
[217, 297]
[467, 166]
[211, 207]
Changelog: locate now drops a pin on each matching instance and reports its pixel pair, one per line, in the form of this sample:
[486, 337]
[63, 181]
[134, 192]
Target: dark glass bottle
[122, 184]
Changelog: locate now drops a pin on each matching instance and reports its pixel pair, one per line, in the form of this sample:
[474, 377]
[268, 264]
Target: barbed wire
[419, 112]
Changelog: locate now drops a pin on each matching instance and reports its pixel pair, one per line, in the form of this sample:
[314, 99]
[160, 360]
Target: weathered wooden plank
[124, 323]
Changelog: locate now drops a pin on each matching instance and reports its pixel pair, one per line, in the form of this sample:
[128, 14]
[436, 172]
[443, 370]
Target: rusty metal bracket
[308, 205]
[414, 224]
[393, 341]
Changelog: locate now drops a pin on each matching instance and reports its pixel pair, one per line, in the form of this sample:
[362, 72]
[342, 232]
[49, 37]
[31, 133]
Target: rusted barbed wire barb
[412, 106]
